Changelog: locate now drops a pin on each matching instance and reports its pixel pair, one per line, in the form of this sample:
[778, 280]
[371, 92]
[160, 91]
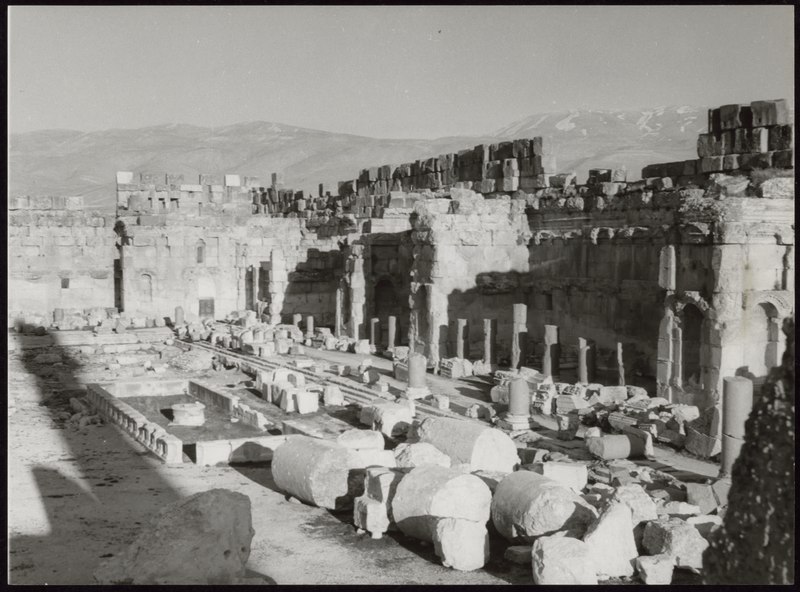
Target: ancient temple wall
[59, 256]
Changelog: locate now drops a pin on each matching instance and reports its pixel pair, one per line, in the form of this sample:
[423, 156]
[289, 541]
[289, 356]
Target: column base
[416, 392]
[515, 423]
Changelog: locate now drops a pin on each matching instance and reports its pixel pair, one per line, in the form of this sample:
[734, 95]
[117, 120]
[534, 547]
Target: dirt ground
[77, 496]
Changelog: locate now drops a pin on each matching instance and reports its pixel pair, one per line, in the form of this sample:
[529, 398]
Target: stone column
[462, 337]
[586, 360]
[278, 279]
[254, 287]
[241, 292]
[337, 328]
[297, 318]
[374, 335]
[489, 341]
[552, 351]
[620, 366]
[417, 384]
[737, 402]
[310, 326]
[519, 398]
[179, 316]
[358, 287]
[392, 332]
[519, 335]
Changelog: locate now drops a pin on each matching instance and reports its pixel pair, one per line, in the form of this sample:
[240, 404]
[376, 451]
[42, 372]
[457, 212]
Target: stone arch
[759, 335]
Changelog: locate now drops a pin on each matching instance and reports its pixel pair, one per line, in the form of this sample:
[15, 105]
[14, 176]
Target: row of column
[519, 346]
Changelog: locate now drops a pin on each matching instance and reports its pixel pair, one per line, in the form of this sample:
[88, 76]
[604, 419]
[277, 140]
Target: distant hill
[66, 162]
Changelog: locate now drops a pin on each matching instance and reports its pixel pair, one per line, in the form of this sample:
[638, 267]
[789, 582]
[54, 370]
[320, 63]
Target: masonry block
[767, 113]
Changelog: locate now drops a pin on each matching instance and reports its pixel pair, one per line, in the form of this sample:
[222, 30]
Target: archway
[386, 303]
[759, 334]
[691, 348]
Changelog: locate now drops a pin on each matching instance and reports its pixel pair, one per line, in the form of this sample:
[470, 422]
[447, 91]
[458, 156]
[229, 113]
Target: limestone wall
[59, 256]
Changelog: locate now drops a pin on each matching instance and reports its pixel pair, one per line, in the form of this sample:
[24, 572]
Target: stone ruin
[650, 307]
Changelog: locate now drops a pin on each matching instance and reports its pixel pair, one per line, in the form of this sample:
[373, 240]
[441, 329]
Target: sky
[384, 71]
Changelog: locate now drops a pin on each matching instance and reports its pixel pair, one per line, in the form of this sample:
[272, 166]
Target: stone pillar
[586, 360]
[278, 279]
[462, 337]
[337, 322]
[620, 366]
[417, 384]
[310, 326]
[519, 398]
[737, 402]
[519, 335]
[179, 316]
[374, 334]
[254, 287]
[552, 351]
[489, 341]
[392, 332]
[241, 292]
[358, 298]
[297, 318]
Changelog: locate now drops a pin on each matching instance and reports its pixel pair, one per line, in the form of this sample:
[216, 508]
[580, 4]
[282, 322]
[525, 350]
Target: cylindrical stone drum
[467, 442]
[430, 492]
[519, 397]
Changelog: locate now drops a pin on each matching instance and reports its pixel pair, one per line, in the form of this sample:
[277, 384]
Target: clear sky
[396, 71]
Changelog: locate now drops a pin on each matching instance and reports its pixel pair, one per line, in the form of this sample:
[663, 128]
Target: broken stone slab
[361, 439]
[370, 457]
[702, 496]
[705, 525]
[429, 492]
[570, 474]
[314, 471]
[332, 395]
[461, 544]
[678, 539]
[391, 419]
[655, 569]
[679, 509]
[420, 453]
[611, 542]
[527, 505]
[558, 560]
[642, 506]
[467, 442]
[203, 539]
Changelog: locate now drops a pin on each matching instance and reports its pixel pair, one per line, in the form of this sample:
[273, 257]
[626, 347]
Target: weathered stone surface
[468, 442]
[617, 446]
[655, 569]
[461, 544]
[361, 439]
[611, 543]
[203, 539]
[642, 506]
[527, 505]
[430, 492]
[371, 515]
[391, 419]
[678, 539]
[557, 560]
[570, 474]
[314, 471]
[420, 453]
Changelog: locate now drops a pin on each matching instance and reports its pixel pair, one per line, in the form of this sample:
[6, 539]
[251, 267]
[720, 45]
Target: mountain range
[67, 162]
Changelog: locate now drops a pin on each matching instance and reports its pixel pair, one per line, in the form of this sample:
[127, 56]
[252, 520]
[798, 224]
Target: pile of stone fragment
[450, 482]
[241, 330]
[97, 319]
[613, 410]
